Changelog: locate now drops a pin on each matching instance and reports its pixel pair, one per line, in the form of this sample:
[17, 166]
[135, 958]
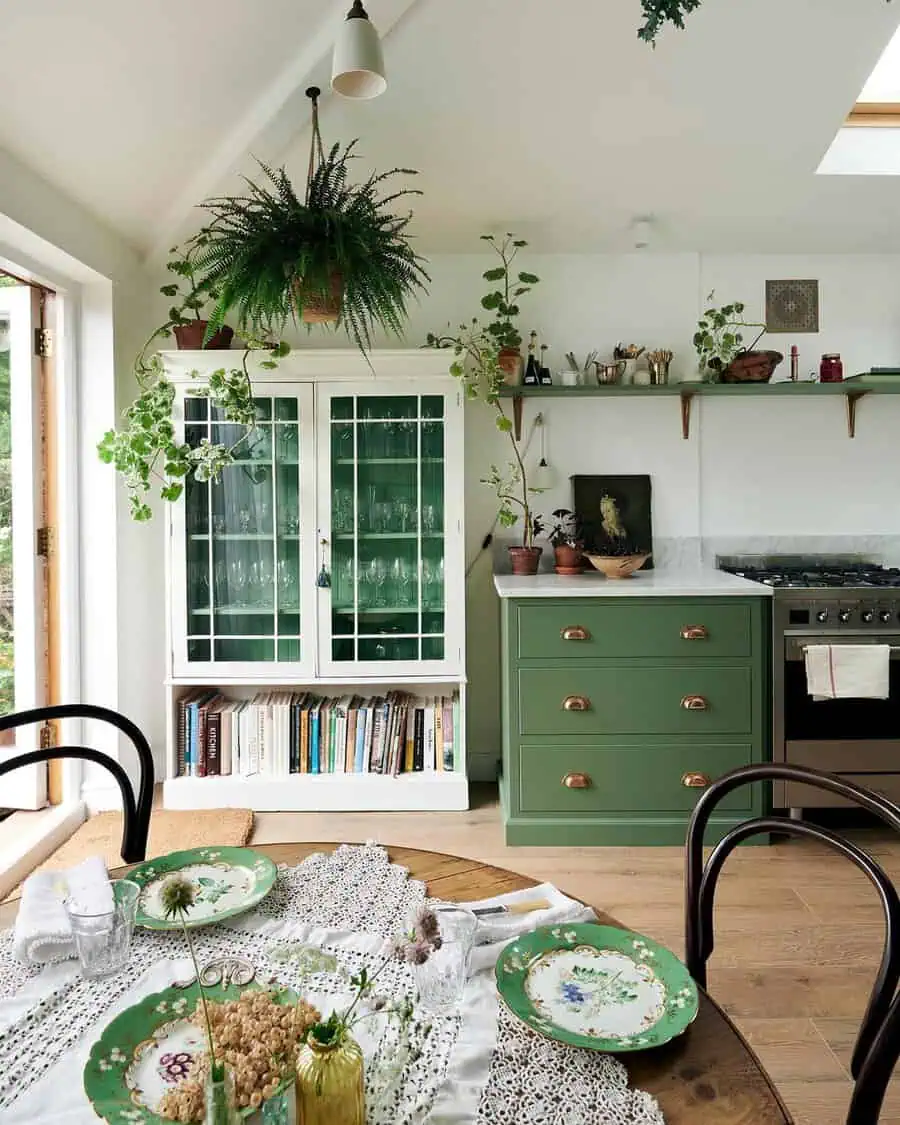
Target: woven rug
[170, 831]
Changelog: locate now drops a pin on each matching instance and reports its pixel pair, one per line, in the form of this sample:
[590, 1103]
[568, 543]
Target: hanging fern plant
[340, 252]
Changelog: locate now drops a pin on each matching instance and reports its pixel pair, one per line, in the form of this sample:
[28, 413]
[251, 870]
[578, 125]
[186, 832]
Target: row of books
[279, 733]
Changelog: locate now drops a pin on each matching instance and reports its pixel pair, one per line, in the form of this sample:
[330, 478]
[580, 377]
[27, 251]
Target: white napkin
[848, 671]
[43, 932]
[498, 930]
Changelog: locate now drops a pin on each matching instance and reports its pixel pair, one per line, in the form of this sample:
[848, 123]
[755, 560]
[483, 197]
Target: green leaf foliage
[268, 251]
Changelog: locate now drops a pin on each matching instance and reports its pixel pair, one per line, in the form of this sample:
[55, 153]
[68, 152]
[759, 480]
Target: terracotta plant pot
[569, 560]
[510, 362]
[189, 337]
[525, 560]
[321, 308]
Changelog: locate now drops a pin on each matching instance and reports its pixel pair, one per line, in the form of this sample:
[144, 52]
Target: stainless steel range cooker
[829, 600]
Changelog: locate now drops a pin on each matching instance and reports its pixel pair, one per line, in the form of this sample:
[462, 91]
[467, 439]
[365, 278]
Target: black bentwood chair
[878, 1041]
[136, 816]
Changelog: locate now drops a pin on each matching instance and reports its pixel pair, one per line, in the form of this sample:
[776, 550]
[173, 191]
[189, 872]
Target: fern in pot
[336, 254]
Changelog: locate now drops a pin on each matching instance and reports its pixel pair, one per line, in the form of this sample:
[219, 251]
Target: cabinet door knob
[694, 703]
[695, 633]
[576, 703]
[575, 633]
[576, 781]
[695, 780]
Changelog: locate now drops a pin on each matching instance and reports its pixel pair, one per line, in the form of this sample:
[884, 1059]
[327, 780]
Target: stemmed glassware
[288, 585]
[402, 581]
[377, 574]
[238, 578]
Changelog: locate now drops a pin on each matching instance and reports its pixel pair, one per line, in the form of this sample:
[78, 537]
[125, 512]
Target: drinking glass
[442, 979]
[345, 444]
[377, 579]
[401, 578]
[344, 593]
[219, 524]
[288, 443]
[404, 511]
[103, 940]
[238, 578]
[244, 520]
[384, 514]
[429, 518]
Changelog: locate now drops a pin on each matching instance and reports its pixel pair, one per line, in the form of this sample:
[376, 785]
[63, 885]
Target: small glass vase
[220, 1100]
[330, 1088]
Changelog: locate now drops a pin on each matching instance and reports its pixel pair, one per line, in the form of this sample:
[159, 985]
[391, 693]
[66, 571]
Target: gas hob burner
[797, 573]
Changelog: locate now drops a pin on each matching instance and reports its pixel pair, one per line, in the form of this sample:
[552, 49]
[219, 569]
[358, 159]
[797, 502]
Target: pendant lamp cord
[316, 151]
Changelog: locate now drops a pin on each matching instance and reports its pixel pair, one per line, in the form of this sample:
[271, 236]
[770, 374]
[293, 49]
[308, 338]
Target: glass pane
[243, 588]
[387, 518]
[196, 408]
[289, 650]
[198, 649]
[245, 650]
[432, 648]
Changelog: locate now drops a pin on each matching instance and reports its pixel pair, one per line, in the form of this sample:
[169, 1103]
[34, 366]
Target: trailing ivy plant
[659, 12]
[502, 299]
[145, 450]
[476, 367]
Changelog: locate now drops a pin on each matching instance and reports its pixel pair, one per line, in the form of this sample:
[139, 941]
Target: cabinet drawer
[575, 700]
[790, 794]
[597, 629]
[626, 779]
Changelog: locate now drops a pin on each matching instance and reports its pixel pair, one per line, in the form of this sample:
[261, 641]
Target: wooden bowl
[617, 566]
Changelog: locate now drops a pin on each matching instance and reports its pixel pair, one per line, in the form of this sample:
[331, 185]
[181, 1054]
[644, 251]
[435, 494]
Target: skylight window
[868, 143]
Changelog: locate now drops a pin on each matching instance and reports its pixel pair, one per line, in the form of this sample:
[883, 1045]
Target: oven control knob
[844, 616]
[885, 616]
[822, 616]
[867, 616]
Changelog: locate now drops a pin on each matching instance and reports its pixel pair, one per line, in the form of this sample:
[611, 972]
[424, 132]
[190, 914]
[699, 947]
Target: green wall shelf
[852, 390]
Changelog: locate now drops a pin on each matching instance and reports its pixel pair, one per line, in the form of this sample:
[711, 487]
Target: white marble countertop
[665, 582]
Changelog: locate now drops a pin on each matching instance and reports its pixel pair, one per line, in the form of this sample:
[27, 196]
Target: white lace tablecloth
[477, 1066]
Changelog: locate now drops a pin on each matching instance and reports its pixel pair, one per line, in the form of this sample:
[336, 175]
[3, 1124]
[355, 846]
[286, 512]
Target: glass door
[248, 566]
[383, 488]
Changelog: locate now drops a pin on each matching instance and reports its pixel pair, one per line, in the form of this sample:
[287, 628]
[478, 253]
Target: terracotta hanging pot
[189, 337]
[318, 307]
[525, 560]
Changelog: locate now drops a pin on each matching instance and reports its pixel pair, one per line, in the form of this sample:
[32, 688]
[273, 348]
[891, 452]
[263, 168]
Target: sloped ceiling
[546, 116]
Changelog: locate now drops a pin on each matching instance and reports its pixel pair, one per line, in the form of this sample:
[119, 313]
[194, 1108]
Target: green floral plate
[597, 987]
[227, 881]
[151, 1047]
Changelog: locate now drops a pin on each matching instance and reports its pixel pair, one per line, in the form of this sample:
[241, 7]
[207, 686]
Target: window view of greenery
[7, 682]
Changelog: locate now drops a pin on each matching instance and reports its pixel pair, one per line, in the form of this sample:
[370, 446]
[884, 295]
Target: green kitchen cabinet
[619, 711]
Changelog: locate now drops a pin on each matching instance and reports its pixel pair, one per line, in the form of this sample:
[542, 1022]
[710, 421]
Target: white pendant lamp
[357, 69]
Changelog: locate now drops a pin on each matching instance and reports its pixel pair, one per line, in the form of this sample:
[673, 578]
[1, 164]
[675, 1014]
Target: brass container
[330, 1088]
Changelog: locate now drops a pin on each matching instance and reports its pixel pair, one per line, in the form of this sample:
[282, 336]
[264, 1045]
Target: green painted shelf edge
[852, 390]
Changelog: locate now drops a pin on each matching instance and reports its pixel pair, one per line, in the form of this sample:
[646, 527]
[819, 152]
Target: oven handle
[795, 647]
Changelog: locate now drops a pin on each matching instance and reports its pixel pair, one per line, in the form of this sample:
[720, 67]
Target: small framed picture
[792, 306]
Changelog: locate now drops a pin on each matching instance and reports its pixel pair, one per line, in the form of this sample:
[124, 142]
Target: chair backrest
[136, 813]
[878, 1041]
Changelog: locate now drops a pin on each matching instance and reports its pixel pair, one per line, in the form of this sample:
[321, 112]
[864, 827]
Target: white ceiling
[548, 118]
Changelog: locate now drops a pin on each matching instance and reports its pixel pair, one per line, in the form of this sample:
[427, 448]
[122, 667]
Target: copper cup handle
[575, 633]
[576, 703]
[576, 781]
[694, 703]
[695, 633]
[695, 780]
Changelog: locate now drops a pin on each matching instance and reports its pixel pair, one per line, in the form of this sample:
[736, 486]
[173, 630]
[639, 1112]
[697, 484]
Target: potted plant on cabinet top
[478, 370]
[720, 346]
[567, 542]
[185, 323]
[502, 302]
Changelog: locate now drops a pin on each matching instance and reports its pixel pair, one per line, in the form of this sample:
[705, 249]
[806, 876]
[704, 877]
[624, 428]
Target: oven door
[859, 738]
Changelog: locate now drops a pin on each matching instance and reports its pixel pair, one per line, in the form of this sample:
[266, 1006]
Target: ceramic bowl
[617, 566]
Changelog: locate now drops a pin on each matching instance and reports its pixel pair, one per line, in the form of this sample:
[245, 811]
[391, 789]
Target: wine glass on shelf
[429, 518]
[377, 578]
[238, 578]
[244, 520]
[403, 510]
[401, 580]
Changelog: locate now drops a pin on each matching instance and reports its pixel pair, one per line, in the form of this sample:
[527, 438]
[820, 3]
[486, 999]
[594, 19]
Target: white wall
[752, 471]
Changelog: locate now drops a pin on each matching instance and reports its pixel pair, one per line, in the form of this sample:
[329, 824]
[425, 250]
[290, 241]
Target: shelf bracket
[518, 402]
[853, 398]
[686, 401]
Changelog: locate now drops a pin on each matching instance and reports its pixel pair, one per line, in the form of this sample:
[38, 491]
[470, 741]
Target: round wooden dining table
[708, 1076]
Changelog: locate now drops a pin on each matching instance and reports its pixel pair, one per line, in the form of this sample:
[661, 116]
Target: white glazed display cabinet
[327, 564]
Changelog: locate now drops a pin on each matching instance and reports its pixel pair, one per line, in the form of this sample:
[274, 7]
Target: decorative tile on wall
[792, 306]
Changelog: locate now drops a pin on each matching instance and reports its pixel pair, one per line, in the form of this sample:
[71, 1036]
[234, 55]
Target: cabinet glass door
[387, 494]
[246, 560]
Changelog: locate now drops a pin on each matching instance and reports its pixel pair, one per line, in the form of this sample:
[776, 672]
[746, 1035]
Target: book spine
[457, 740]
[181, 739]
[225, 739]
[213, 765]
[448, 734]
[439, 734]
[202, 752]
[419, 740]
[429, 737]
